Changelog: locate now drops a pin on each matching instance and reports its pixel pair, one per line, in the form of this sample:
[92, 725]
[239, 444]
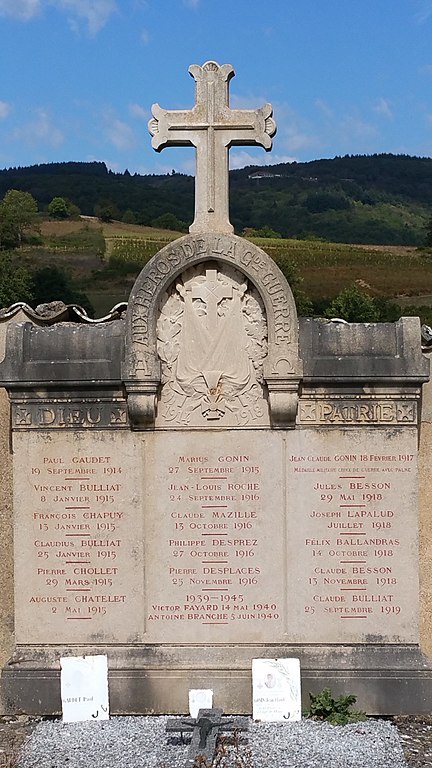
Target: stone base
[387, 680]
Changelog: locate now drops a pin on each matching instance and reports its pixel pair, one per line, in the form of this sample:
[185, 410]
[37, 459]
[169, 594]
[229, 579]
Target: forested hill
[363, 199]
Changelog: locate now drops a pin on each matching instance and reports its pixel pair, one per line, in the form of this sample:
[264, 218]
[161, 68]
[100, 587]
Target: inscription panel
[78, 538]
[69, 415]
[240, 536]
[352, 539]
[340, 411]
[215, 537]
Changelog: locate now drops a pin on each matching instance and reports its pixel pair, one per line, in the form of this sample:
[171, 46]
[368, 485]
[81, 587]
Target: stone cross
[211, 126]
[211, 292]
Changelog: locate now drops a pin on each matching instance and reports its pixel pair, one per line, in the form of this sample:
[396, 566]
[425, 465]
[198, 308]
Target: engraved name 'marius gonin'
[211, 126]
[212, 340]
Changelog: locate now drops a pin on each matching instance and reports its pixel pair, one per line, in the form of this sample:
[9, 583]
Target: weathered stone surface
[204, 379]
[425, 527]
[241, 537]
[352, 536]
[67, 353]
[6, 542]
[215, 501]
[363, 352]
[147, 679]
[159, 332]
[78, 538]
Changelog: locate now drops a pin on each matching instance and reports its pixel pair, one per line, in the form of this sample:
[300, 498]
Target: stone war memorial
[204, 479]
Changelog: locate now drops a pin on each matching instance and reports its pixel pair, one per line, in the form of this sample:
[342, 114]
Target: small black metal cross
[205, 730]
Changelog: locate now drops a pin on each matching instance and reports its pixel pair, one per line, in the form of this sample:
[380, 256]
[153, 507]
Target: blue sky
[344, 76]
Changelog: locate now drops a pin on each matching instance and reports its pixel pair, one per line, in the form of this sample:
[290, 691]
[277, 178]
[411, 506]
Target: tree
[8, 234]
[106, 211]
[16, 282]
[62, 208]
[18, 214]
[428, 241]
[264, 231]
[129, 217]
[354, 306]
[170, 221]
[58, 208]
[54, 284]
[289, 270]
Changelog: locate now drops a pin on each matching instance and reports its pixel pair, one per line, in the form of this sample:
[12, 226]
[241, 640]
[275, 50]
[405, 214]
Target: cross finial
[211, 126]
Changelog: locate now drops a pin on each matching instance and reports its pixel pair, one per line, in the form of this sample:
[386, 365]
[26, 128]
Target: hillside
[378, 199]
[103, 260]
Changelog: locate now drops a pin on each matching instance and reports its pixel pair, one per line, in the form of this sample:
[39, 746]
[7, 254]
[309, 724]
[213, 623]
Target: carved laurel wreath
[170, 320]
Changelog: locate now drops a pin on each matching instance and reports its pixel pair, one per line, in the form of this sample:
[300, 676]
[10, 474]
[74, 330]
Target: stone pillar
[6, 541]
[425, 520]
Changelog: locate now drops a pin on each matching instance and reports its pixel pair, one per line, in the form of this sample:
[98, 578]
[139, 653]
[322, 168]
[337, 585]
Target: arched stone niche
[204, 268]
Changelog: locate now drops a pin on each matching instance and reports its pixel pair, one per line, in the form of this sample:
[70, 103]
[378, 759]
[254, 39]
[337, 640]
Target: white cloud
[354, 127]
[136, 110]
[241, 158]
[296, 140]
[350, 131]
[20, 9]
[301, 135]
[191, 3]
[145, 37]
[5, 108]
[295, 133]
[324, 108]
[117, 132]
[95, 13]
[382, 107]
[113, 165]
[40, 130]
[292, 131]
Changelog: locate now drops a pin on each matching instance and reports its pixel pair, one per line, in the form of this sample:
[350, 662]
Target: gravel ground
[415, 734]
[141, 742]
[415, 737]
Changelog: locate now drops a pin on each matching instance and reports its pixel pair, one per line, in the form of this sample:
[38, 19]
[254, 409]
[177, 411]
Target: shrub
[323, 706]
[169, 221]
[16, 282]
[354, 306]
[53, 283]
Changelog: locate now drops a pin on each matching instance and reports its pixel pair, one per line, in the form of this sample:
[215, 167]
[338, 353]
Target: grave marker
[205, 731]
[200, 698]
[84, 688]
[276, 690]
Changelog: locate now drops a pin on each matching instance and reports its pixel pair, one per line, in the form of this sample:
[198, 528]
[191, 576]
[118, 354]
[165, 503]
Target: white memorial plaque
[276, 689]
[200, 698]
[84, 688]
